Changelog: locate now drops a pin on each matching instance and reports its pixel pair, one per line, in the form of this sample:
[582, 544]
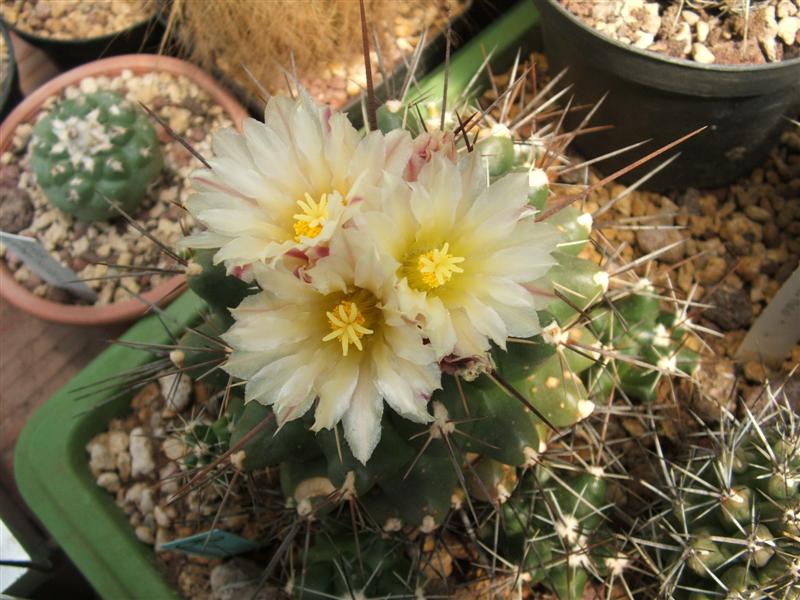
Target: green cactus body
[497, 149]
[737, 503]
[95, 150]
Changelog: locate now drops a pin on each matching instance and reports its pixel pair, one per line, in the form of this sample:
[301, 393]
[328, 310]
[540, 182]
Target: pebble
[163, 536]
[702, 54]
[141, 450]
[713, 390]
[133, 495]
[123, 463]
[755, 372]
[177, 390]
[145, 534]
[788, 28]
[174, 448]
[714, 271]
[651, 240]
[100, 457]
[16, 209]
[701, 31]
[757, 213]
[731, 309]
[239, 578]
[692, 18]
[161, 516]
[109, 481]
[117, 441]
[146, 501]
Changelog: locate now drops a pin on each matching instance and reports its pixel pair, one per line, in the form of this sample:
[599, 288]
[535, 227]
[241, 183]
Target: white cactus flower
[335, 335]
[469, 257]
[285, 185]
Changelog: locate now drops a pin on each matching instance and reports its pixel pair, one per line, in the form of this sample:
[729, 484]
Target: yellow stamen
[347, 324]
[436, 267]
[309, 223]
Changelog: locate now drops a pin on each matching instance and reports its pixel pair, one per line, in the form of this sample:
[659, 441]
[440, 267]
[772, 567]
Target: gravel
[151, 438]
[701, 30]
[75, 19]
[89, 249]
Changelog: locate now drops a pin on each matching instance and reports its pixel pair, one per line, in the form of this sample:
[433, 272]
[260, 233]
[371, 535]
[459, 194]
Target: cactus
[94, 151]
[509, 463]
[554, 526]
[730, 525]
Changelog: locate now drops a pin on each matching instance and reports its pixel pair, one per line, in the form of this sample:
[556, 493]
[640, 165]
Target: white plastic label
[777, 328]
[38, 260]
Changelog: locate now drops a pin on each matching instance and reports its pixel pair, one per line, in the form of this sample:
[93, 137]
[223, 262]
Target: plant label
[776, 330]
[38, 260]
[214, 544]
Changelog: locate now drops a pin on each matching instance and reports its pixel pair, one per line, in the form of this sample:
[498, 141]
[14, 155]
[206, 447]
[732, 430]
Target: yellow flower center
[309, 223]
[347, 325]
[436, 267]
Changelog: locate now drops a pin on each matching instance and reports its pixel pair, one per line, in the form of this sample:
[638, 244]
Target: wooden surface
[36, 357]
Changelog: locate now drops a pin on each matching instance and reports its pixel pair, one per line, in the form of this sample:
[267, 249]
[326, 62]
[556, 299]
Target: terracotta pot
[26, 111]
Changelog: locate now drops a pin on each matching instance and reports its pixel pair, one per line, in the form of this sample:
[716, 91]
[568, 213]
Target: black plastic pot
[143, 37]
[653, 96]
[10, 92]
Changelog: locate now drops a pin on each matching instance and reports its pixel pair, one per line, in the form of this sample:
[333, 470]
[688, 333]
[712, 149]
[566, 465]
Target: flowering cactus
[416, 269]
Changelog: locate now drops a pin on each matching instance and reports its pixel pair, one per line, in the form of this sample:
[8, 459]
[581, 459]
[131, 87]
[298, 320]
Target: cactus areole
[95, 152]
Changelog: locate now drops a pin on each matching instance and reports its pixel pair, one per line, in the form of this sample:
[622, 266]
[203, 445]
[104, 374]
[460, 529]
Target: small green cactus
[731, 517]
[92, 151]
[555, 528]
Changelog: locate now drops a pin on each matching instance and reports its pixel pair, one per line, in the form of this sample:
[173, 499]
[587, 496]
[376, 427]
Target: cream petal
[270, 331]
[393, 229]
[240, 251]
[294, 412]
[438, 195]
[263, 387]
[406, 395]
[283, 284]
[298, 387]
[485, 319]
[244, 365]
[204, 240]
[520, 322]
[238, 177]
[336, 392]
[508, 195]
[228, 142]
[405, 341]
[439, 328]
[398, 149]
[498, 290]
[470, 342]
[277, 166]
[362, 420]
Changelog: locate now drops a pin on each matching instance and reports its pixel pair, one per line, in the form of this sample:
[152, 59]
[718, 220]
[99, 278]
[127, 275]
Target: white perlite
[141, 449]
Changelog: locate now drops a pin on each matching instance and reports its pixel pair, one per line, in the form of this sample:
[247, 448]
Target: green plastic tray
[50, 461]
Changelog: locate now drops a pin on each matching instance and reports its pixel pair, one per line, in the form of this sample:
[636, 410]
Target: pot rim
[106, 37]
[5, 92]
[670, 60]
[127, 310]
